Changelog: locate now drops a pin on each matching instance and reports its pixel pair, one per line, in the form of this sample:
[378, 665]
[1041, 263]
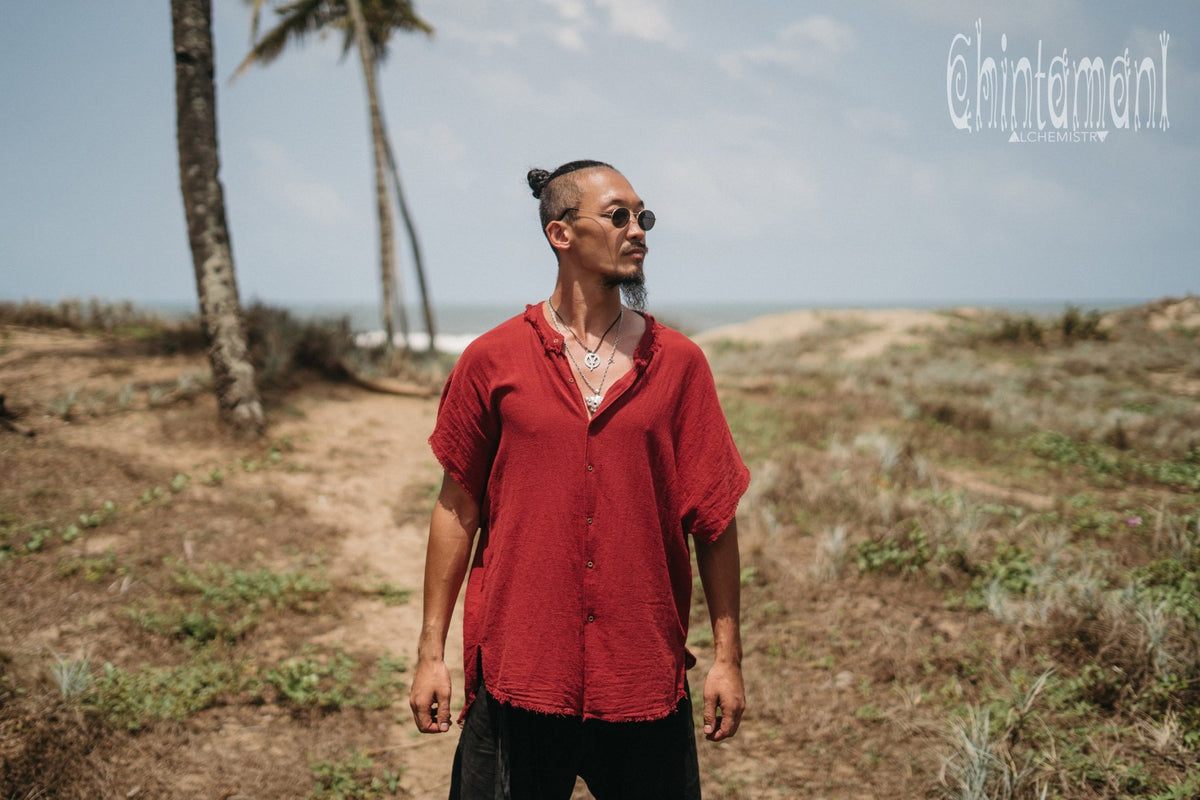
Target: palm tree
[367, 26]
[238, 403]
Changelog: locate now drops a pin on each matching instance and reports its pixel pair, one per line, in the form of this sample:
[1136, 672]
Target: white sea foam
[418, 340]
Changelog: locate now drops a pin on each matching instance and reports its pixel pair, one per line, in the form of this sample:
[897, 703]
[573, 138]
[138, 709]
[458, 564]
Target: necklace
[592, 358]
[593, 400]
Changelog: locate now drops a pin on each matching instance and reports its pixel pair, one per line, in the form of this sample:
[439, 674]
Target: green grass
[135, 698]
[332, 679]
[221, 603]
[318, 679]
[21, 539]
[1092, 685]
[352, 778]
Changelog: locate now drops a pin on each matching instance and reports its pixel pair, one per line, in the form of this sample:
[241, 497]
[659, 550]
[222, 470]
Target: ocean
[458, 324]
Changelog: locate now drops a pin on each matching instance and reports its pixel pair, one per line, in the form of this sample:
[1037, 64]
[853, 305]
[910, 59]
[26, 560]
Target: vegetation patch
[220, 603]
[353, 778]
[996, 485]
[332, 679]
[970, 569]
[135, 698]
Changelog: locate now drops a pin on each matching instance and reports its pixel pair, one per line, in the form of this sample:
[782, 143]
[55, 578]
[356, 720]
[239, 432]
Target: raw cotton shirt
[578, 597]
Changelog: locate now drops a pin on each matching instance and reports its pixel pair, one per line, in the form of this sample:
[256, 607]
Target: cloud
[562, 97]
[437, 144]
[570, 24]
[641, 19]
[568, 29]
[570, 38]
[504, 88]
[489, 27]
[741, 175]
[875, 121]
[810, 46]
[314, 201]
[1023, 19]
[1023, 194]
[575, 22]
[570, 10]
[483, 41]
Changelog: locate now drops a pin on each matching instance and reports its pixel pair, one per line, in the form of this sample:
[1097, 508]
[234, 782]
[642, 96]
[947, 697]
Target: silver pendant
[591, 360]
[593, 402]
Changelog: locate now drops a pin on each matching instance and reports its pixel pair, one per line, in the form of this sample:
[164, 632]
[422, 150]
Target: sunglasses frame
[611, 216]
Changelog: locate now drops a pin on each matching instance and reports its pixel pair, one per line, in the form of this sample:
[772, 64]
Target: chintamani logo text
[1065, 101]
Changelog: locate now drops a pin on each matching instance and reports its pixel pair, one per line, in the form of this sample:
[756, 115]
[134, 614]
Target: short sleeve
[465, 436]
[712, 475]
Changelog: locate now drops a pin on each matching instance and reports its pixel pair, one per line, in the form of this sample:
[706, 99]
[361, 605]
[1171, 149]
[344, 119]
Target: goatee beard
[633, 289]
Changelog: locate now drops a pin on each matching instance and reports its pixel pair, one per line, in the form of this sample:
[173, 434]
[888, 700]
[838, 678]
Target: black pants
[506, 753]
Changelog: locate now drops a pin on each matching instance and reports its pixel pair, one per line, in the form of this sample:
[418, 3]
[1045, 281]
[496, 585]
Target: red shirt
[579, 593]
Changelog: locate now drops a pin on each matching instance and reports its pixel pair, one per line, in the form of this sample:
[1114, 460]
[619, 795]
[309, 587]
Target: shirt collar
[552, 340]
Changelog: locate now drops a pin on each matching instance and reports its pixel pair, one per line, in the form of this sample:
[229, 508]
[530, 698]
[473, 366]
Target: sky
[817, 153]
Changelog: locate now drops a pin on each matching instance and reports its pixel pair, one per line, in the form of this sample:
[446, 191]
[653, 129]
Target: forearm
[720, 575]
[452, 529]
[724, 692]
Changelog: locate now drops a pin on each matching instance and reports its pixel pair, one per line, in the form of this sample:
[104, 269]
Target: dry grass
[936, 525]
[971, 569]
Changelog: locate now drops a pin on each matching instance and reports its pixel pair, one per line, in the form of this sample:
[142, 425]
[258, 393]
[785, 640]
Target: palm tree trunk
[238, 402]
[387, 255]
[418, 263]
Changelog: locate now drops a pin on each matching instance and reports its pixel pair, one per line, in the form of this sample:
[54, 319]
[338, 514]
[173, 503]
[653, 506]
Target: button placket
[590, 531]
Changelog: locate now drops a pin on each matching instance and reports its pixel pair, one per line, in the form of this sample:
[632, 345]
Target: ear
[559, 234]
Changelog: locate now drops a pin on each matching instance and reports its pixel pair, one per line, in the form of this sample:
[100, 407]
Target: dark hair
[557, 196]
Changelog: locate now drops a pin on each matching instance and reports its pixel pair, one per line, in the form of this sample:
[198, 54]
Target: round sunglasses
[620, 217]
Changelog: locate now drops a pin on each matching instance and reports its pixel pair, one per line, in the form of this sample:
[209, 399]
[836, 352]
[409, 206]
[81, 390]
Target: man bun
[555, 197]
[538, 178]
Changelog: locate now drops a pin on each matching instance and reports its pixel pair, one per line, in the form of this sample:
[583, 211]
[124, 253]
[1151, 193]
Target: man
[583, 441]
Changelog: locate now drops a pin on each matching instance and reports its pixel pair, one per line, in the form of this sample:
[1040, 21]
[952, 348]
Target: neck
[588, 310]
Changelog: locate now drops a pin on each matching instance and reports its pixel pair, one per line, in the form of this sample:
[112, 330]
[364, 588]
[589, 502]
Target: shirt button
[591, 564]
[591, 617]
[589, 520]
[590, 468]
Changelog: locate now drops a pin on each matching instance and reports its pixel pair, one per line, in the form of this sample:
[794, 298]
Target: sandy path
[359, 458]
[358, 462]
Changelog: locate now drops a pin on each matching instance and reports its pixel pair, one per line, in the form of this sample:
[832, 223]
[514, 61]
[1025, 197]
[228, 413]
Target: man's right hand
[430, 697]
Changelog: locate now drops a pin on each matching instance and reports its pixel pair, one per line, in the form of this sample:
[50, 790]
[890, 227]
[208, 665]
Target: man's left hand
[724, 701]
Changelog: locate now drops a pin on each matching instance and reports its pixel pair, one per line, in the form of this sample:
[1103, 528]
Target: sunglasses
[620, 217]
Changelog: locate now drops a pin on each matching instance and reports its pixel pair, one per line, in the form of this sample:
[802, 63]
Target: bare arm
[720, 574]
[452, 529]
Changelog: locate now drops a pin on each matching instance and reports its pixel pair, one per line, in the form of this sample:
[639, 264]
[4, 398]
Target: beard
[633, 289]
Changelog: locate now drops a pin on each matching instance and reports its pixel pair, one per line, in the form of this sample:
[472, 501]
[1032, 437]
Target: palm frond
[255, 15]
[383, 18]
[298, 20]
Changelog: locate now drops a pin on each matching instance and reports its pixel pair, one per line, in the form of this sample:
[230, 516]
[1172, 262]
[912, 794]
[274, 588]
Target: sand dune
[880, 328]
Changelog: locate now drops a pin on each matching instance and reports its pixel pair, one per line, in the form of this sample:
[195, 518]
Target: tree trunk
[418, 263]
[387, 254]
[204, 206]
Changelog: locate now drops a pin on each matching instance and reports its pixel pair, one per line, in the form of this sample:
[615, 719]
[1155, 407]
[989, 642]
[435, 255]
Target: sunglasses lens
[620, 218]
